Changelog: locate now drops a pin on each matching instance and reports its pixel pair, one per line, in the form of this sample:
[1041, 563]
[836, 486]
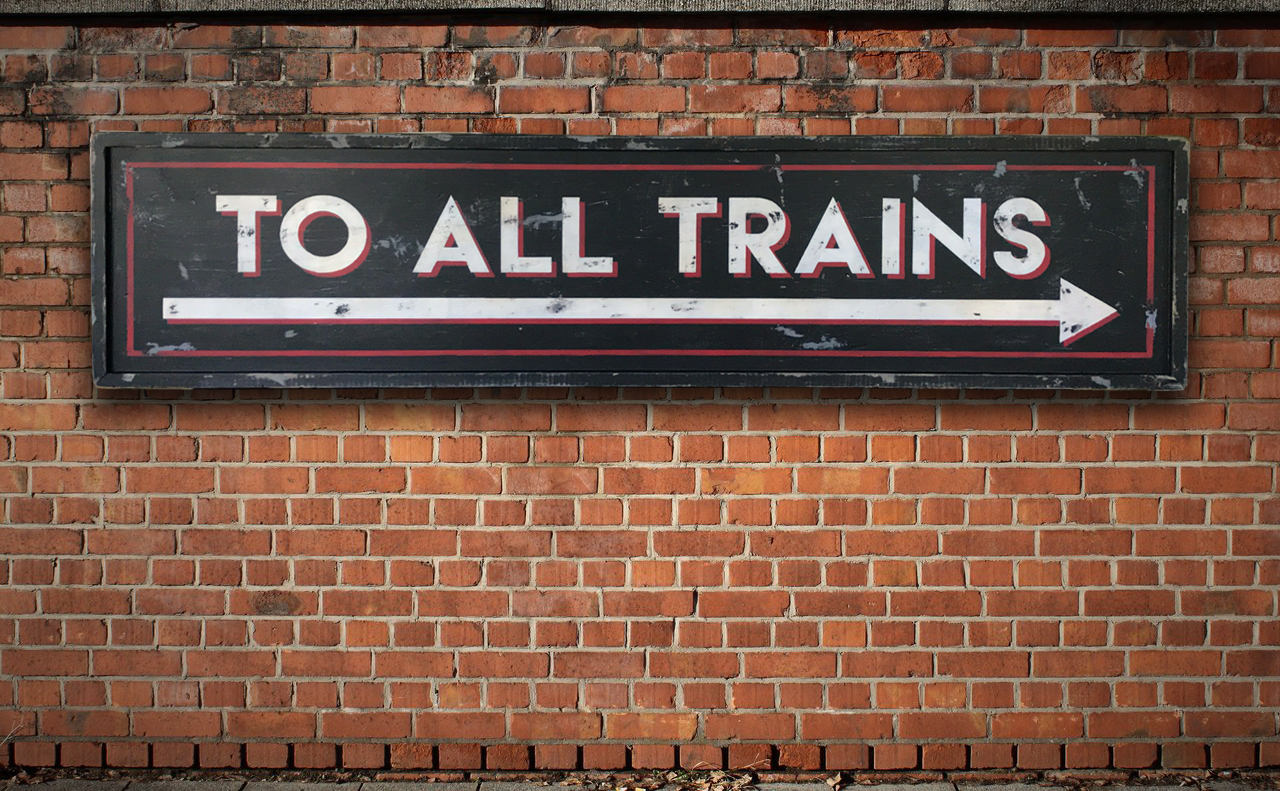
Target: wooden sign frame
[228, 260]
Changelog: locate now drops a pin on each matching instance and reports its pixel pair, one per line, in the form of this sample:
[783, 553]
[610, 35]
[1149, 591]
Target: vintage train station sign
[238, 260]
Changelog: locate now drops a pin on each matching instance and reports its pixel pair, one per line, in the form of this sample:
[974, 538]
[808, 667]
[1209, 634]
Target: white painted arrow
[1075, 311]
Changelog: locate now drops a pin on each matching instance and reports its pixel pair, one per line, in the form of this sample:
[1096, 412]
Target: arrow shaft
[638, 310]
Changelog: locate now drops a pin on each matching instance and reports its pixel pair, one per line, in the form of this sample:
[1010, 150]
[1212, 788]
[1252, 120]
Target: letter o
[295, 223]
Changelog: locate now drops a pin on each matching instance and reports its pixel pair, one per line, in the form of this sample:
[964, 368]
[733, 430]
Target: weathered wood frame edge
[1176, 379]
[19, 8]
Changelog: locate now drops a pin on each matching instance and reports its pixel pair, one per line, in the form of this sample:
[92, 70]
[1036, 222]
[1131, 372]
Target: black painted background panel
[1099, 236]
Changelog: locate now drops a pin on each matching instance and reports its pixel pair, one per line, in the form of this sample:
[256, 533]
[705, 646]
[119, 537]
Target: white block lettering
[307, 210]
[1036, 259]
[451, 242]
[572, 233]
[689, 213]
[833, 244]
[513, 261]
[763, 244]
[247, 209]
[926, 228]
[893, 237]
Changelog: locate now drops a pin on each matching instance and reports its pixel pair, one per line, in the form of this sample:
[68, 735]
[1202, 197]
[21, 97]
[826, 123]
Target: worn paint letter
[689, 213]
[514, 262]
[451, 242]
[1036, 259]
[833, 244]
[247, 209]
[970, 247]
[893, 237]
[572, 241]
[308, 210]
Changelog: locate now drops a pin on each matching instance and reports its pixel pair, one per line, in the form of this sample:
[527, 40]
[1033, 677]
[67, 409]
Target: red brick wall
[553, 578]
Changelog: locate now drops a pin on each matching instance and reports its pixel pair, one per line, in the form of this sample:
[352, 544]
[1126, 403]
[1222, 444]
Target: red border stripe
[132, 351]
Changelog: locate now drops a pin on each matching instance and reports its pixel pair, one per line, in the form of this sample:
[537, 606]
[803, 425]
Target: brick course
[508, 579]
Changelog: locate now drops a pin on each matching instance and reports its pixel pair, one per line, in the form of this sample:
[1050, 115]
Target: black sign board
[335, 260]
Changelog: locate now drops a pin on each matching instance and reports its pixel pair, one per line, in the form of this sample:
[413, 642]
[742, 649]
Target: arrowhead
[1079, 312]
